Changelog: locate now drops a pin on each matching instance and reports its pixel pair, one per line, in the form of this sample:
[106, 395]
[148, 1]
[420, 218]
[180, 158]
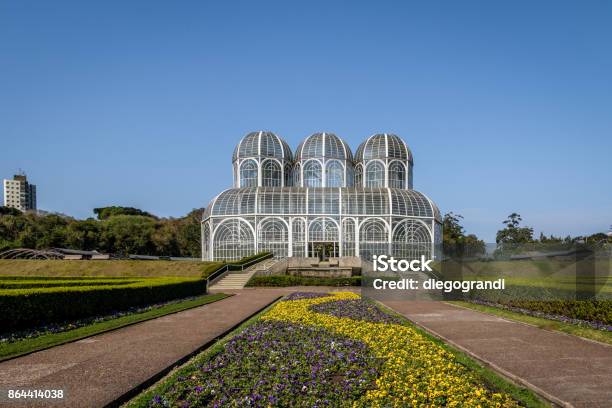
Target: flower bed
[416, 371]
[334, 350]
[278, 363]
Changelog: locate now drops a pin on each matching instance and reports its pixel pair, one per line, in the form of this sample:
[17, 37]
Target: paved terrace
[97, 370]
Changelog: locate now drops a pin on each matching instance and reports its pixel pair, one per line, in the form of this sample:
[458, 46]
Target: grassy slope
[124, 268]
[488, 376]
[592, 334]
[12, 350]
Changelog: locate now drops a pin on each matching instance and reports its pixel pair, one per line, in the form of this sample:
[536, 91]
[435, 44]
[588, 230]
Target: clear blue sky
[507, 106]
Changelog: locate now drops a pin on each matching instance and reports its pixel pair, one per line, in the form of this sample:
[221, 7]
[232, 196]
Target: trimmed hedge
[211, 267]
[288, 280]
[246, 259]
[214, 266]
[48, 283]
[5, 278]
[20, 308]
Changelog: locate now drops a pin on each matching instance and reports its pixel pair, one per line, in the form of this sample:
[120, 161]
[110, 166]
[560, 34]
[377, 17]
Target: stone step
[238, 279]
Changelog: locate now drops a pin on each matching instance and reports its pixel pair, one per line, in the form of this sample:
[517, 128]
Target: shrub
[548, 300]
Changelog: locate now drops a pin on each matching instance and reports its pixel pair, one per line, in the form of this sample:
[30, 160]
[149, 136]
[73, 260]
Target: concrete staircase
[238, 279]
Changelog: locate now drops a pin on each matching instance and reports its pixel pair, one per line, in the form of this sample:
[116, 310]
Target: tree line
[513, 237]
[115, 230]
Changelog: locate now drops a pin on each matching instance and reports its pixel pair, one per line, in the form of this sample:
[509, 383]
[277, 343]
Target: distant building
[19, 194]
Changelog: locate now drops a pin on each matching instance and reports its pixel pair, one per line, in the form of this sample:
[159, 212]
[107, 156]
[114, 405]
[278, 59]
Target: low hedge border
[26, 307]
[48, 283]
[212, 267]
[289, 280]
[6, 278]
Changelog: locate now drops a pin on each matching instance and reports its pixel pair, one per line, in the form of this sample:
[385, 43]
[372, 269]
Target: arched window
[335, 174]
[375, 175]
[359, 176]
[297, 176]
[373, 238]
[312, 174]
[287, 175]
[411, 239]
[298, 237]
[348, 237]
[233, 240]
[272, 176]
[397, 175]
[323, 229]
[273, 237]
[248, 174]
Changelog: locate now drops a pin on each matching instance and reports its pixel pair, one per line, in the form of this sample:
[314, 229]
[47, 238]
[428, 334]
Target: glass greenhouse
[321, 202]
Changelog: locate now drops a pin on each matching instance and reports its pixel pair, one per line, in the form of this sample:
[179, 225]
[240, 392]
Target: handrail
[226, 268]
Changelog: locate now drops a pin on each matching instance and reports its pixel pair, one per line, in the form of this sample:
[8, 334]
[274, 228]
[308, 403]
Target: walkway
[97, 370]
[575, 371]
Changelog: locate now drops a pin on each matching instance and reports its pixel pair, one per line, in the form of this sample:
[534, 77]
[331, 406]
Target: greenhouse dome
[262, 159]
[279, 205]
[383, 160]
[323, 160]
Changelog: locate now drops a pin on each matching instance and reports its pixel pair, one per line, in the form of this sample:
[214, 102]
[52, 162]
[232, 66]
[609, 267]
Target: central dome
[323, 145]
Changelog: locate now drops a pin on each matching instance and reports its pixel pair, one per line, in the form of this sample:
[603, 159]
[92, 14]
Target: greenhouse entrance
[323, 250]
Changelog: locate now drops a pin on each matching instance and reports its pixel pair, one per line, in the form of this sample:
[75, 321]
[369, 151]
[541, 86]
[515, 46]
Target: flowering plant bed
[335, 350]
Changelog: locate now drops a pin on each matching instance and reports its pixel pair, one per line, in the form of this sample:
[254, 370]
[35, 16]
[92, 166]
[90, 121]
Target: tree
[128, 234]
[104, 213]
[513, 233]
[83, 235]
[9, 211]
[189, 234]
[454, 240]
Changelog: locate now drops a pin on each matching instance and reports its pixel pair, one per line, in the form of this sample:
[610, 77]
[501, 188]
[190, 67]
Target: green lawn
[547, 324]
[26, 346]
